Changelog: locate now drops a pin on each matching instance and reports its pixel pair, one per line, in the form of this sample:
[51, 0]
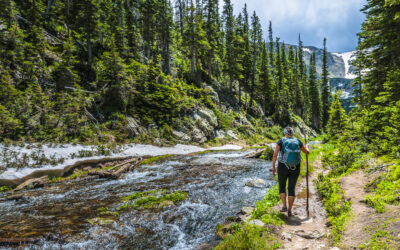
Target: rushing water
[56, 216]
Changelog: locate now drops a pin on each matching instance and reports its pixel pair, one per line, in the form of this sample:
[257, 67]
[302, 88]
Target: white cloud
[318, 17]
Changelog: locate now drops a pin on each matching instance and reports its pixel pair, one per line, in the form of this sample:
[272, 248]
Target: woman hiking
[288, 166]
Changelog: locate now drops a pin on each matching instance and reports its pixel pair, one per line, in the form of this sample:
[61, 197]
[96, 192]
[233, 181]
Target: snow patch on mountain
[347, 58]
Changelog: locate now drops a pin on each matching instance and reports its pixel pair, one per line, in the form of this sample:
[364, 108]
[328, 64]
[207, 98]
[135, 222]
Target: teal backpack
[290, 154]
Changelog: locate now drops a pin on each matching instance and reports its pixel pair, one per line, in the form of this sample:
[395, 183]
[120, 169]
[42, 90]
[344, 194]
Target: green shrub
[337, 207]
[249, 237]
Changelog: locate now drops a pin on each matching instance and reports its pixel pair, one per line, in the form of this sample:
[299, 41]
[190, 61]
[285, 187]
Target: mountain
[341, 72]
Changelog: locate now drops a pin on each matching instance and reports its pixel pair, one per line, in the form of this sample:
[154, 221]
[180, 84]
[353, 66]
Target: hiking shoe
[284, 209]
[289, 213]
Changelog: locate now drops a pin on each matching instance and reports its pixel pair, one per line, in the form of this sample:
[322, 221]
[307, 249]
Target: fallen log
[255, 154]
[123, 167]
[125, 162]
[33, 183]
[17, 241]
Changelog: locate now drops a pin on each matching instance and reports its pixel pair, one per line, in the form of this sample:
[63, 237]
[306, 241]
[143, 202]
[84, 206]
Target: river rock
[33, 183]
[309, 235]
[133, 127]
[247, 210]
[257, 183]
[256, 223]
[287, 236]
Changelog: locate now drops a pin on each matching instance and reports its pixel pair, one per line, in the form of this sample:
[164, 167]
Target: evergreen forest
[78, 70]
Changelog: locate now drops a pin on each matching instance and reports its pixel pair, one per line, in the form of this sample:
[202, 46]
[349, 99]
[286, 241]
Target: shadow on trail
[295, 220]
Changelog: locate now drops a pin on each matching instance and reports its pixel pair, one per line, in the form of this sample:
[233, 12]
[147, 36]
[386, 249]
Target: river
[58, 216]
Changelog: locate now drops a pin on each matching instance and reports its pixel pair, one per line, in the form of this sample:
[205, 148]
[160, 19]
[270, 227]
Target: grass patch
[249, 237]
[5, 188]
[154, 159]
[246, 236]
[263, 210]
[100, 221]
[387, 189]
[77, 174]
[152, 199]
[382, 238]
[337, 208]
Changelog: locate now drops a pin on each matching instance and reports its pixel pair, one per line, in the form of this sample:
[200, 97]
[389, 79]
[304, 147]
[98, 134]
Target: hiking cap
[288, 130]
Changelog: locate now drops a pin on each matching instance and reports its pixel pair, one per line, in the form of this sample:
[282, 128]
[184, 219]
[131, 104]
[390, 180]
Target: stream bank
[84, 213]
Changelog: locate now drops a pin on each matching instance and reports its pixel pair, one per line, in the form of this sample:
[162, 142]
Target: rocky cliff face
[339, 64]
[341, 72]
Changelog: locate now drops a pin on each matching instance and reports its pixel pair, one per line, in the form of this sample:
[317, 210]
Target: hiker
[288, 166]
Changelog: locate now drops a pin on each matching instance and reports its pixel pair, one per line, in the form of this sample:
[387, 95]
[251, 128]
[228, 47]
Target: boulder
[256, 223]
[287, 236]
[257, 183]
[309, 235]
[198, 136]
[208, 115]
[206, 127]
[214, 94]
[181, 135]
[220, 134]
[133, 127]
[246, 210]
[33, 183]
[232, 134]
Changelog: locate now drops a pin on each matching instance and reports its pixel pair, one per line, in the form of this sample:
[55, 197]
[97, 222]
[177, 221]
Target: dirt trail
[300, 232]
[355, 233]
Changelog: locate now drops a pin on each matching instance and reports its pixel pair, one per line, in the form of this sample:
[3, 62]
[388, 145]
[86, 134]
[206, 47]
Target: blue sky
[337, 20]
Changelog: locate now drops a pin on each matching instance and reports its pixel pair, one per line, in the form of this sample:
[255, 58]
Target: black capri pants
[283, 174]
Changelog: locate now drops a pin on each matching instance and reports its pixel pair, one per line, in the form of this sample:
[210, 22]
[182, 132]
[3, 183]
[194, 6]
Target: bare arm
[274, 157]
[305, 149]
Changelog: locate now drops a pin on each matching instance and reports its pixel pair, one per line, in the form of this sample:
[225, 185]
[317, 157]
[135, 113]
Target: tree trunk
[89, 49]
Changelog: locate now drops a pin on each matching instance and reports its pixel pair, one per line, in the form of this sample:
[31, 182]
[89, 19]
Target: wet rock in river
[257, 183]
[33, 183]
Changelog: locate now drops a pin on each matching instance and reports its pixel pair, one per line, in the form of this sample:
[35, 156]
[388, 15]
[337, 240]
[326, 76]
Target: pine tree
[256, 35]
[325, 87]
[195, 41]
[132, 29]
[86, 22]
[337, 118]
[247, 58]
[314, 95]
[113, 79]
[229, 25]
[298, 86]
[64, 73]
[379, 34]
[213, 34]
[164, 30]
[271, 45]
[267, 89]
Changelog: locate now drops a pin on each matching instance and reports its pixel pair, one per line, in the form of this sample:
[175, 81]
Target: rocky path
[301, 232]
[353, 185]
